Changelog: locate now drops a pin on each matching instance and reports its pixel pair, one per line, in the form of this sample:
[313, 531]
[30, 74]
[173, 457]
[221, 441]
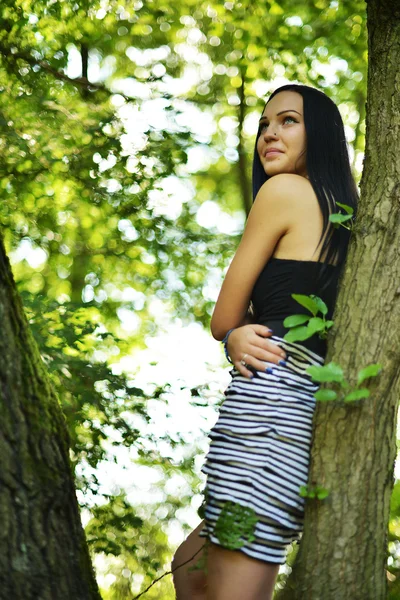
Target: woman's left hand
[248, 344]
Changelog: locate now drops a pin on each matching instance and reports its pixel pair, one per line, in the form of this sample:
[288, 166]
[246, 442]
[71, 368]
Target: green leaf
[303, 492]
[329, 372]
[297, 334]
[322, 493]
[346, 207]
[325, 395]
[307, 302]
[315, 324]
[357, 395]
[369, 371]
[339, 218]
[313, 492]
[322, 307]
[294, 320]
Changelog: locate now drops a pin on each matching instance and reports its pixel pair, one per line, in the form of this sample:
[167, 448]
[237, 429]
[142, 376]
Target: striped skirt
[259, 458]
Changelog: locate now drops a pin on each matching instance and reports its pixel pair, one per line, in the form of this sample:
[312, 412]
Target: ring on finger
[243, 361]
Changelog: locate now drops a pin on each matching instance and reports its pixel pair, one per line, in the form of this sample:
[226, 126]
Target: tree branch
[80, 81]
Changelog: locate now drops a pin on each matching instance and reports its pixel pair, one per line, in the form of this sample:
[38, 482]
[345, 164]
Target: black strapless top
[281, 277]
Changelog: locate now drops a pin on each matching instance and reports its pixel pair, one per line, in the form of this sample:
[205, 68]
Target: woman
[260, 445]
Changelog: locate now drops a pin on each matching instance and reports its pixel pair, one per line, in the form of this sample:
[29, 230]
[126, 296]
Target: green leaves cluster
[333, 373]
[330, 372]
[298, 330]
[318, 492]
[235, 525]
[133, 544]
[105, 410]
[94, 400]
[339, 219]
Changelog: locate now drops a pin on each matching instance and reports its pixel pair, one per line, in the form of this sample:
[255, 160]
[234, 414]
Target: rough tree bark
[43, 552]
[343, 552]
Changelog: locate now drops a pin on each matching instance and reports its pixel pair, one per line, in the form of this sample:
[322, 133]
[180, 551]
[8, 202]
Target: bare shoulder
[299, 202]
[294, 190]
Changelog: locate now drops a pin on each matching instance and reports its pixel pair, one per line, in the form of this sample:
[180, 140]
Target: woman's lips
[272, 153]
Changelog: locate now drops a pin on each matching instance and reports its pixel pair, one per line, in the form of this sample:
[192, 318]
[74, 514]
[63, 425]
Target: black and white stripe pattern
[259, 451]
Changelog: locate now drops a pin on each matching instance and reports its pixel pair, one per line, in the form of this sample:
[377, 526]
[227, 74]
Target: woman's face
[285, 132]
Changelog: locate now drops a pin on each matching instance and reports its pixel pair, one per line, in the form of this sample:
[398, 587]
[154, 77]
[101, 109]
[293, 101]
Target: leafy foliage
[298, 330]
[340, 219]
[102, 410]
[318, 492]
[333, 373]
[235, 525]
[133, 545]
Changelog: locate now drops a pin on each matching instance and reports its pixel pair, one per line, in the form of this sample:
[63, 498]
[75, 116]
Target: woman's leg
[232, 575]
[189, 585]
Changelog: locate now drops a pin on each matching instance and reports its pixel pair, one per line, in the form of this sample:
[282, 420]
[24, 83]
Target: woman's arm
[271, 216]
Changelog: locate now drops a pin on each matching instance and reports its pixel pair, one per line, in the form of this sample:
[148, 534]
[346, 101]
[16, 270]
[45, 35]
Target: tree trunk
[343, 551]
[43, 552]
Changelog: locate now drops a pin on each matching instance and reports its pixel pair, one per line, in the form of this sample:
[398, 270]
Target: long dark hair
[328, 169]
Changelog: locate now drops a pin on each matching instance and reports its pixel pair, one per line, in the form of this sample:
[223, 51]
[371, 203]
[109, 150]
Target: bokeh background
[126, 136]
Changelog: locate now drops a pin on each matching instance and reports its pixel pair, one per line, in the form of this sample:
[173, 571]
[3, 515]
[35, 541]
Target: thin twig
[167, 573]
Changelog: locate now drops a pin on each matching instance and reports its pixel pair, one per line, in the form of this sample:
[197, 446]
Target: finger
[264, 348]
[258, 360]
[270, 346]
[266, 353]
[243, 371]
[261, 330]
[258, 364]
[261, 365]
[274, 348]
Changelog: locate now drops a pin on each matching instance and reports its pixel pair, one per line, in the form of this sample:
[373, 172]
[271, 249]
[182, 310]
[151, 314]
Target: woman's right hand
[249, 343]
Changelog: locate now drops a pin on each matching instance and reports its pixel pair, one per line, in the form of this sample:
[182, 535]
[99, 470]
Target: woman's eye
[284, 119]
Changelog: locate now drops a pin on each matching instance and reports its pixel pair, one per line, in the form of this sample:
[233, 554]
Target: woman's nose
[269, 132]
